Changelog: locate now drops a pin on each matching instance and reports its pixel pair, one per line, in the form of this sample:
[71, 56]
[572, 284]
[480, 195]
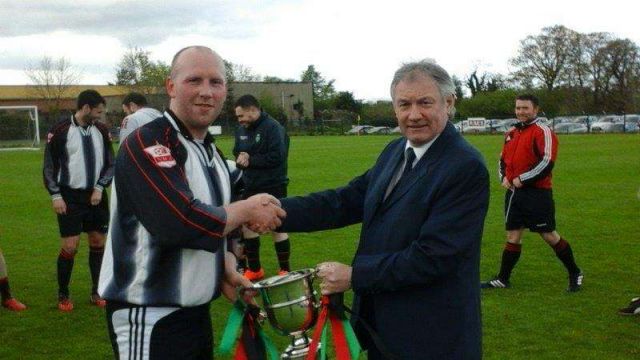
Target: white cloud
[358, 43]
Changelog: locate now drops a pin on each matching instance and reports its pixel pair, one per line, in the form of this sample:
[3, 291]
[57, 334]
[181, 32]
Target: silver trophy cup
[291, 307]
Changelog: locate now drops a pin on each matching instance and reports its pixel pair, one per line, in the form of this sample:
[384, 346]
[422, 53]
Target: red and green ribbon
[253, 342]
[344, 339]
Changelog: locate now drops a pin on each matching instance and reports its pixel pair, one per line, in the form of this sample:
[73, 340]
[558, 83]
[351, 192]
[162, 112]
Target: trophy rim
[289, 303]
[282, 279]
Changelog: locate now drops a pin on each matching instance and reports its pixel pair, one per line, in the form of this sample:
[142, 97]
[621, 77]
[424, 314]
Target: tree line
[571, 72]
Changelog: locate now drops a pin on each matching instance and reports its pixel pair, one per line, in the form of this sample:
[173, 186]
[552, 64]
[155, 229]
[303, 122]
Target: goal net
[19, 127]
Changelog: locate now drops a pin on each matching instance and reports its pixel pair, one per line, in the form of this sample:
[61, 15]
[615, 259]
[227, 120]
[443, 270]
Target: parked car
[501, 126]
[631, 127]
[501, 129]
[395, 130]
[358, 130]
[560, 120]
[570, 128]
[473, 126]
[607, 124]
[378, 130]
[632, 118]
[510, 122]
[584, 119]
[544, 120]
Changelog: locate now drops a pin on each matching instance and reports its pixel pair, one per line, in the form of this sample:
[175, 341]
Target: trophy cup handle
[240, 291]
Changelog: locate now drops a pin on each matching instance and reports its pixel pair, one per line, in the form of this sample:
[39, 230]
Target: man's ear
[170, 86]
[451, 102]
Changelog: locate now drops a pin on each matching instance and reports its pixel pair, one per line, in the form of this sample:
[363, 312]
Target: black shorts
[84, 217]
[278, 191]
[145, 332]
[530, 208]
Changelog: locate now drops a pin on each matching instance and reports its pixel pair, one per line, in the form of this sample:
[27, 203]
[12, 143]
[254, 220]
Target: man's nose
[414, 113]
[206, 90]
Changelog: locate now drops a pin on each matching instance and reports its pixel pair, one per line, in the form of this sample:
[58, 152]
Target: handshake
[261, 213]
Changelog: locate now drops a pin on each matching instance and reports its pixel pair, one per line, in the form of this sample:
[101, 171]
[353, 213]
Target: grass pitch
[596, 183]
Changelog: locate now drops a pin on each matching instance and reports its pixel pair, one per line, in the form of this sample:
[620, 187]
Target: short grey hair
[428, 67]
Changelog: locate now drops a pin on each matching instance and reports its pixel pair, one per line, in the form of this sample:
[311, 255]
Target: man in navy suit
[422, 207]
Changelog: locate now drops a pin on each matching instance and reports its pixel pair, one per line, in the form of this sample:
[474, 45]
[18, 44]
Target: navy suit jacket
[416, 270]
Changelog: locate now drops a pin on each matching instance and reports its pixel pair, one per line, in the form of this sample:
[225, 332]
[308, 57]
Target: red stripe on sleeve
[185, 198]
[165, 199]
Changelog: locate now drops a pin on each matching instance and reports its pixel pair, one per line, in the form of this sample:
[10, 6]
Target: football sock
[65, 266]
[242, 263]
[252, 250]
[95, 262]
[5, 294]
[3, 267]
[510, 256]
[565, 254]
[283, 249]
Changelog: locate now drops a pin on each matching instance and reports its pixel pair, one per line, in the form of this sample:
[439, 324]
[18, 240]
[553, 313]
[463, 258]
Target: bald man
[166, 257]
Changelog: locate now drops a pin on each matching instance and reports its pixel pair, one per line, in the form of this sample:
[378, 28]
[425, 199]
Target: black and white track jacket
[77, 158]
[165, 245]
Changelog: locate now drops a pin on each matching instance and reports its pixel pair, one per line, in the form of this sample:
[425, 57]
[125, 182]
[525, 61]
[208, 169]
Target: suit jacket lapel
[405, 185]
[421, 169]
[381, 183]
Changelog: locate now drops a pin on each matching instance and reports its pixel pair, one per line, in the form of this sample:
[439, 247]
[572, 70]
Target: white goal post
[16, 133]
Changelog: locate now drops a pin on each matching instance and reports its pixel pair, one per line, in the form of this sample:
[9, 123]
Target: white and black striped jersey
[165, 245]
[77, 158]
[137, 119]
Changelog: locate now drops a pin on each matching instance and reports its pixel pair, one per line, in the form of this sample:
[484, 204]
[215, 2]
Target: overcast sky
[357, 43]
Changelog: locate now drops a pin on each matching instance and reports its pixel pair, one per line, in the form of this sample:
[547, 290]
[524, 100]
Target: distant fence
[577, 124]
[574, 124]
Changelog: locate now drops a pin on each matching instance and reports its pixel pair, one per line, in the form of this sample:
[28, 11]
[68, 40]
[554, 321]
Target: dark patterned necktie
[410, 157]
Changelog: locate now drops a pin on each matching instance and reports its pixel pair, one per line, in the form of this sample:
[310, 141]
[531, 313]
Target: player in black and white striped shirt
[166, 256]
[78, 167]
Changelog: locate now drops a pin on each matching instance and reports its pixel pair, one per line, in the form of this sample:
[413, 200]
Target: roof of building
[20, 92]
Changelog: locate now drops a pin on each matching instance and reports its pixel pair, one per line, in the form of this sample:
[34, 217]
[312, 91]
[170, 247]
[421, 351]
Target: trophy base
[298, 349]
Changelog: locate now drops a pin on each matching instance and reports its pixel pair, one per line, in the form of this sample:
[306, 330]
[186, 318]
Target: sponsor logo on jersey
[161, 156]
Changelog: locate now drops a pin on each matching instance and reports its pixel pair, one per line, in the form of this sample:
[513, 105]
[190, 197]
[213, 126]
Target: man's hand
[233, 279]
[243, 160]
[266, 213]
[505, 183]
[96, 197]
[261, 213]
[335, 277]
[517, 183]
[59, 206]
